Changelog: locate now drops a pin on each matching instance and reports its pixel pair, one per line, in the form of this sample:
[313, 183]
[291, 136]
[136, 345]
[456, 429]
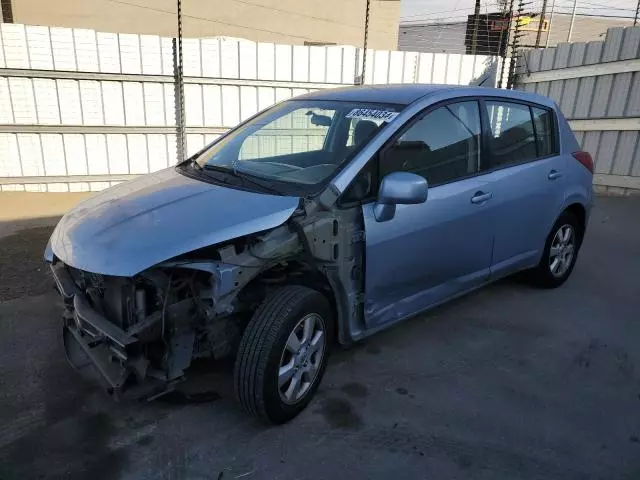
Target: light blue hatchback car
[328, 216]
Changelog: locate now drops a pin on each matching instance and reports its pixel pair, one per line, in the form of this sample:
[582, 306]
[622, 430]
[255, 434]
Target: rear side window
[512, 136]
[543, 121]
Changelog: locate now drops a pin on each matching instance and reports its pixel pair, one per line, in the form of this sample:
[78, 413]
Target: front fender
[48, 252]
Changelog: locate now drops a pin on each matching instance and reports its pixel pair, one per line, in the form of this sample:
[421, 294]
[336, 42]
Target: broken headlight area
[137, 335]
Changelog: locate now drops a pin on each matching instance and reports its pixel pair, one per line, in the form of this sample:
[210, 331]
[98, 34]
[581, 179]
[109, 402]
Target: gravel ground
[509, 382]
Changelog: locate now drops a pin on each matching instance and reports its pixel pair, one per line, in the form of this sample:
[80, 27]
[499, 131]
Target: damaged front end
[151, 283]
[138, 335]
[150, 275]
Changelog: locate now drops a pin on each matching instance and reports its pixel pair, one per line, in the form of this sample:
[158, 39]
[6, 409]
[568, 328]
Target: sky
[439, 10]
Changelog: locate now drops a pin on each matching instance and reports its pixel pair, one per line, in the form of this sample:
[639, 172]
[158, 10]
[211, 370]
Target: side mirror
[399, 188]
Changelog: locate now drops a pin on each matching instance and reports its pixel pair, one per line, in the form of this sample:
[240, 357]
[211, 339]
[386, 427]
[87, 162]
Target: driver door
[431, 251]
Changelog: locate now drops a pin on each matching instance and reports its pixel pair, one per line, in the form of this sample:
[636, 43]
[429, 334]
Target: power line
[455, 27]
[451, 30]
[291, 12]
[428, 16]
[602, 5]
[439, 22]
[596, 15]
[144, 7]
[453, 20]
[486, 5]
[449, 19]
[597, 5]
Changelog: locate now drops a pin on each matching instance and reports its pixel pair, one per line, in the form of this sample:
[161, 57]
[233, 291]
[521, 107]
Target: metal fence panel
[597, 86]
[94, 108]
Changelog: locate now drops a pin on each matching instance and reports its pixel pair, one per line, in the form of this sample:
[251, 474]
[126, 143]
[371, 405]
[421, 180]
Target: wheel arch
[578, 210]
[581, 213]
[299, 271]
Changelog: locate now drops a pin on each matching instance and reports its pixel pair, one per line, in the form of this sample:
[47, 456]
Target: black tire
[261, 350]
[542, 275]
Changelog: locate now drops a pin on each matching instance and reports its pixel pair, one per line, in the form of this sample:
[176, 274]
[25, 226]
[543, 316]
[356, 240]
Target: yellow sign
[531, 24]
[522, 21]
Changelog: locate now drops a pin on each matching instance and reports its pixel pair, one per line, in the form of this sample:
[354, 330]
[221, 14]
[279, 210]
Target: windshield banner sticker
[370, 114]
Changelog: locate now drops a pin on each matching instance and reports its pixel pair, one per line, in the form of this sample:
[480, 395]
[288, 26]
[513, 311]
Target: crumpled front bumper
[100, 350]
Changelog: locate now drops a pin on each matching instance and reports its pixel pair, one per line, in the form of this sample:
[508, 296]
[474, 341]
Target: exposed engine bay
[141, 333]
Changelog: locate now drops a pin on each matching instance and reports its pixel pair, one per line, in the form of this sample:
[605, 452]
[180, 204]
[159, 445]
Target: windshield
[298, 141]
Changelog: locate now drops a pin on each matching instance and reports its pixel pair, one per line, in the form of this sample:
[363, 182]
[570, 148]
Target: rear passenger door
[526, 181]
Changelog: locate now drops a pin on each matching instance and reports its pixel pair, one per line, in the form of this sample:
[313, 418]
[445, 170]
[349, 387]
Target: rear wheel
[283, 354]
[560, 252]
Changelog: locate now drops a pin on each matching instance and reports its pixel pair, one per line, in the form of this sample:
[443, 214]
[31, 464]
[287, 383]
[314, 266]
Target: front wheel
[560, 252]
[283, 354]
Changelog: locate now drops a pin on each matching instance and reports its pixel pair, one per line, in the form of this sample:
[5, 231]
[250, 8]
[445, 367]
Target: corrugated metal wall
[597, 86]
[81, 110]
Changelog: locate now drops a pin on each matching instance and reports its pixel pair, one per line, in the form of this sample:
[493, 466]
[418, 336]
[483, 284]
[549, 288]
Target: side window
[442, 146]
[512, 139]
[543, 120]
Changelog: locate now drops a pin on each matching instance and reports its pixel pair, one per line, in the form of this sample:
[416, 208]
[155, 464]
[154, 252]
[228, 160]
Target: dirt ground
[510, 382]
[24, 273]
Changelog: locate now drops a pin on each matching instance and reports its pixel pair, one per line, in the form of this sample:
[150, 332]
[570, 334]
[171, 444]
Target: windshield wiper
[241, 175]
[216, 168]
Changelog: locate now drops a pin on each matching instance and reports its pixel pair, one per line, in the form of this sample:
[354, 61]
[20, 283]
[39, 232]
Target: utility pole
[504, 53]
[6, 12]
[178, 88]
[573, 17]
[553, 6]
[366, 40]
[541, 22]
[476, 20]
[514, 46]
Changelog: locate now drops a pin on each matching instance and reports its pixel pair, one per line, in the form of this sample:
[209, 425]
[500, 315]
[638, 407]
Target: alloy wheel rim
[562, 250]
[301, 358]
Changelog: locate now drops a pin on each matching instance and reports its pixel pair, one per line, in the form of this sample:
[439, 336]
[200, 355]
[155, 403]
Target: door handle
[481, 197]
[554, 174]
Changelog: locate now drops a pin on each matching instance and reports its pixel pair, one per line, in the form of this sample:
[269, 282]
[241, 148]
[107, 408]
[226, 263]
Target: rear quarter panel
[579, 186]
[579, 181]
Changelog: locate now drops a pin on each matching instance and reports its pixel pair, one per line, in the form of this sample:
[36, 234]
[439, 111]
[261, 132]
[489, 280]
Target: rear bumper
[101, 351]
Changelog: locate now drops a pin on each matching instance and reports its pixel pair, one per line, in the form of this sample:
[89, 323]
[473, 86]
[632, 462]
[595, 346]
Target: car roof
[404, 94]
[400, 94]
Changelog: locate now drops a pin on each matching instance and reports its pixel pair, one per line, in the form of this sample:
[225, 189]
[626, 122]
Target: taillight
[585, 159]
